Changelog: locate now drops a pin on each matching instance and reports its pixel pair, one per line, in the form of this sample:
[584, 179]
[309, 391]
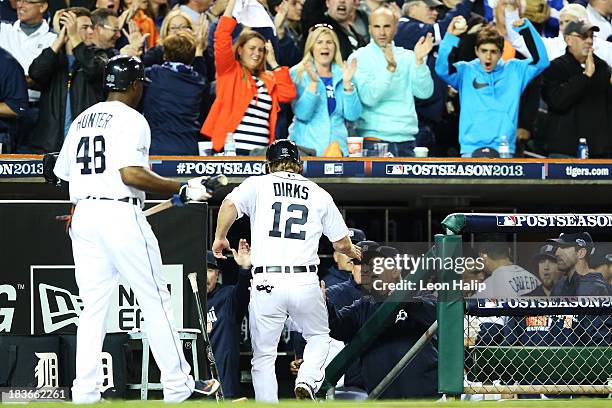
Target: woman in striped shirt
[248, 96]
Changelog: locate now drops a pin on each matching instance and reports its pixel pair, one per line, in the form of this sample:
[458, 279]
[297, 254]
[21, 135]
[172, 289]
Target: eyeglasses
[111, 28]
[177, 28]
[319, 25]
[583, 36]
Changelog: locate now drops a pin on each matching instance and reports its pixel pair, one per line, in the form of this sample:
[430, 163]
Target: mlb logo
[394, 169]
[333, 169]
[507, 221]
[487, 304]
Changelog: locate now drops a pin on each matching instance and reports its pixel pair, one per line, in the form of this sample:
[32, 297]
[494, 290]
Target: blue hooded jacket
[172, 104]
[490, 101]
[313, 126]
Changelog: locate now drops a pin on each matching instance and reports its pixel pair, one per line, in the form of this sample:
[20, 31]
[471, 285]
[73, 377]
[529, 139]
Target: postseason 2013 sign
[535, 305]
[507, 223]
[555, 220]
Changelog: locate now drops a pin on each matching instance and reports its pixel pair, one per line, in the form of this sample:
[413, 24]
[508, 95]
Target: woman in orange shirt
[248, 96]
[144, 22]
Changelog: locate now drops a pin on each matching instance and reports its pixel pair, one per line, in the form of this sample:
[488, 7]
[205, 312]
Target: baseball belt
[131, 200]
[286, 269]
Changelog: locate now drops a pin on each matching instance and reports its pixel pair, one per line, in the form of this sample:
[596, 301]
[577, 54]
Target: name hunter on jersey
[95, 119]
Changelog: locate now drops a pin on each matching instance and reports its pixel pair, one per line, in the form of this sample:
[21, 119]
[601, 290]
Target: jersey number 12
[83, 157]
[276, 232]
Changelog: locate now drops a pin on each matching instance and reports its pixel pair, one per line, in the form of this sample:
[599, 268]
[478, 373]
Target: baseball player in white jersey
[106, 162]
[288, 214]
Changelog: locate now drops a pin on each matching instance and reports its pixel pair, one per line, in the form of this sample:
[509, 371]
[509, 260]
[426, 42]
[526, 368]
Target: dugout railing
[485, 345]
[497, 363]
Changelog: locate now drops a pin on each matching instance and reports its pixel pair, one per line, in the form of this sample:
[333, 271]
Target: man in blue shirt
[388, 78]
[489, 89]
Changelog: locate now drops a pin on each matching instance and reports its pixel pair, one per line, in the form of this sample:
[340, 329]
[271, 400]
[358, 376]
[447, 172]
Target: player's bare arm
[346, 247]
[227, 215]
[144, 179]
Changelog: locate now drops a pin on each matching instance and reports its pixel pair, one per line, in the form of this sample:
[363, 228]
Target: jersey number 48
[98, 158]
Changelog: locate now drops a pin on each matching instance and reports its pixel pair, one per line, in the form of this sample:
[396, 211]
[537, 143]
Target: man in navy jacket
[227, 306]
[420, 378]
[13, 99]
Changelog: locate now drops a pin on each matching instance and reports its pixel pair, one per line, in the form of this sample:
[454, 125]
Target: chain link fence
[538, 353]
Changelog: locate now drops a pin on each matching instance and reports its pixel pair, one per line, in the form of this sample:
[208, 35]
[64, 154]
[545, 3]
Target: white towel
[251, 13]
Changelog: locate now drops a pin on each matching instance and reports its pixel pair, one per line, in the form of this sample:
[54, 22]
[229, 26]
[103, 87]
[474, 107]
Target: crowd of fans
[458, 77]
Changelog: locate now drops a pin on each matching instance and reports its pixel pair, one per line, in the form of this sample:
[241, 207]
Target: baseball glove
[48, 163]
[536, 11]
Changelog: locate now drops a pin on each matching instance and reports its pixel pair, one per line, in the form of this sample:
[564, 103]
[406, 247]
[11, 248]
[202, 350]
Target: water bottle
[583, 148]
[504, 148]
[229, 149]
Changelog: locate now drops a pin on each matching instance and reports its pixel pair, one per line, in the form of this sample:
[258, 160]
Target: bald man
[388, 78]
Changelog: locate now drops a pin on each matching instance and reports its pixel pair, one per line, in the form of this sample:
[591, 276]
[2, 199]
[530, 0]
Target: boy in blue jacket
[489, 89]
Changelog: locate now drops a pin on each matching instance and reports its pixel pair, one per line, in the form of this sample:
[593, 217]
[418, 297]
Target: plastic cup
[421, 151]
[381, 149]
[355, 146]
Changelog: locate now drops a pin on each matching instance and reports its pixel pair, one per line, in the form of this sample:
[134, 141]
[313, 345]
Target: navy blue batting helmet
[121, 72]
[283, 149]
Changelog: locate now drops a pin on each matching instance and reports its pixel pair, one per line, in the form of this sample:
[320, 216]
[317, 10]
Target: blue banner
[332, 168]
[427, 169]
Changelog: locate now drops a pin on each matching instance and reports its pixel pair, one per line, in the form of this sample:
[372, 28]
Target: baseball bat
[214, 373]
[212, 184]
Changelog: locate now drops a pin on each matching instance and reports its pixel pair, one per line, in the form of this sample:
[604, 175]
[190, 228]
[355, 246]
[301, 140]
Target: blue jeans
[398, 149]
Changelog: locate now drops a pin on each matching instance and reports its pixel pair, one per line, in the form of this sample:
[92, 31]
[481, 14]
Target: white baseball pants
[111, 238]
[290, 294]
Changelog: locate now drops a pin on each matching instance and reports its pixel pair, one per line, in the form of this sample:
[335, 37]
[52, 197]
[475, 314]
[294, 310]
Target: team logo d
[107, 372]
[401, 315]
[46, 371]
[110, 78]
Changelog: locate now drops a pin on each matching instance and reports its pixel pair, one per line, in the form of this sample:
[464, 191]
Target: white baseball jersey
[510, 281]
[288, 215]
[111, 238]
[102, 140]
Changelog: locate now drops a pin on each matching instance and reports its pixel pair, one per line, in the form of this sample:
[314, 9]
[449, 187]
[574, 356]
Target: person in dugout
[420, 378]
[227, 306]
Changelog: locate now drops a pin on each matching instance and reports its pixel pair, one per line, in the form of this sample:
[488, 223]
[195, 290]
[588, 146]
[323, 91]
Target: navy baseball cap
[368, 251]
[579, 239]
[211, 261]
[356, 235]
[602, 255]
[546, 252]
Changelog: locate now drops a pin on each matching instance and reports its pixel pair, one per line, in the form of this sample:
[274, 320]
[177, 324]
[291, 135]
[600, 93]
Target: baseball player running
[288, 214]
[106, 161]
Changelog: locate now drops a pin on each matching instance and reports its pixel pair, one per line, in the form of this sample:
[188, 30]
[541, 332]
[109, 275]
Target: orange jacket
[146, 25]
[236, 88]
